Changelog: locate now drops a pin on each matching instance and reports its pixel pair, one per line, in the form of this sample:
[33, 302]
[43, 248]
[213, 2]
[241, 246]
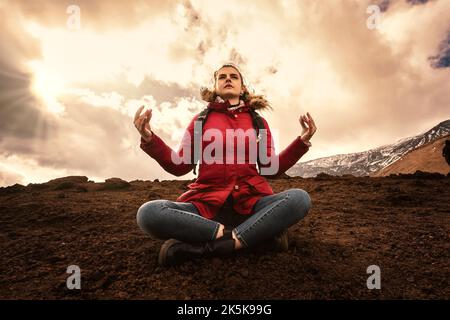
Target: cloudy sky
[73, 73]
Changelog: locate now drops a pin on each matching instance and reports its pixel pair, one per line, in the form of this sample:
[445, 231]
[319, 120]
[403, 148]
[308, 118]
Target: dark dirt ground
[400, 223]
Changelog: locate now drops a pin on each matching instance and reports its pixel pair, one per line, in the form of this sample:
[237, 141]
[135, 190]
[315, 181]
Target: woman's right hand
[142, 123]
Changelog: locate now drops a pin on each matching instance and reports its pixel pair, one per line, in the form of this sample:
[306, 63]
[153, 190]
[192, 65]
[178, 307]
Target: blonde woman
[230, 205]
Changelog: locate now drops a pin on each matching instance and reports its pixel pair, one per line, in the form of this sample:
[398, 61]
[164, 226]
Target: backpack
[257, 121]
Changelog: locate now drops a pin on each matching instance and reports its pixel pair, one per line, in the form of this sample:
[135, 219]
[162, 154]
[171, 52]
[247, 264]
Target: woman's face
[228, 83]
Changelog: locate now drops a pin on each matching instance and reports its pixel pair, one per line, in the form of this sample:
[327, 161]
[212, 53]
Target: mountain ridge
[366, 163]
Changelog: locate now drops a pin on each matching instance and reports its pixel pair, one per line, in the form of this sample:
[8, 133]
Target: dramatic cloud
[442, 59]
[413, 2]
[68, 96]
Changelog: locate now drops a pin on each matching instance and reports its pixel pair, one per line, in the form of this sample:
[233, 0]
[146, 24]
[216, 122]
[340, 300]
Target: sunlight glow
[47, 86]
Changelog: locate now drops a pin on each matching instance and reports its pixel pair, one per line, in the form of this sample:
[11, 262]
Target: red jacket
[216, 181]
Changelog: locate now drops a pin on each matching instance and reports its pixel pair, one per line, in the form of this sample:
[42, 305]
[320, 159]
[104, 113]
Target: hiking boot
[174, 252]
[281, 241]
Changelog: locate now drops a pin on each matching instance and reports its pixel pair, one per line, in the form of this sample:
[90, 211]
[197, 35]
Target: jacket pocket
[259, 184]
[196, 191]
[200, 186]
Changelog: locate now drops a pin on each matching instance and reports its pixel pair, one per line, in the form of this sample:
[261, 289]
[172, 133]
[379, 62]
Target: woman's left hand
[308, 127]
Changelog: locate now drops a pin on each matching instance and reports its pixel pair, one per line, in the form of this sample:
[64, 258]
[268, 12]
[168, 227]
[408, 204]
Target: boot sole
[163, 251]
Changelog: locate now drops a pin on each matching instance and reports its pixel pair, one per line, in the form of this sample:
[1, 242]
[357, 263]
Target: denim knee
[147, 216]
[301, 202]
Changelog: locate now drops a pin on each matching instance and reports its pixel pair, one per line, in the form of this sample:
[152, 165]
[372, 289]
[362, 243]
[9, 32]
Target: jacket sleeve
[275, 165]
[177, 163]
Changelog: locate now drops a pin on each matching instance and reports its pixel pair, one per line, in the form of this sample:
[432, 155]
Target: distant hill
[427, 158]
[369, 162]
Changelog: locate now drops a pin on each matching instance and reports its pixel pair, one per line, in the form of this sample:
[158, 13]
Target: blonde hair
[256, 101]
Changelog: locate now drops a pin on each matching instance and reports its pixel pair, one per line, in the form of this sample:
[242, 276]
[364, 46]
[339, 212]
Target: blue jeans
[164, 219]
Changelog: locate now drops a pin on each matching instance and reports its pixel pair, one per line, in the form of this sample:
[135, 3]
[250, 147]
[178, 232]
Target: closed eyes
[223, 76]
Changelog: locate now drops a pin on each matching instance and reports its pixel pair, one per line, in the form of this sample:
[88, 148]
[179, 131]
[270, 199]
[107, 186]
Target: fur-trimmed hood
[256, 102]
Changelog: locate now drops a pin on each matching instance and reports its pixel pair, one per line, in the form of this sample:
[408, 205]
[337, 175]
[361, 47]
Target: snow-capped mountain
[367, 162]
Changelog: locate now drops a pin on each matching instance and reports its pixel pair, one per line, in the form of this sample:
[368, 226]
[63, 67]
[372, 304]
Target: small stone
[244, 273]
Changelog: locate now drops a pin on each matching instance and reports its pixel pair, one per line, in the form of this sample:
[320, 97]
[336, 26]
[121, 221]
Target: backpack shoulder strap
[258, 123]
[198, 132]
[203, 114]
